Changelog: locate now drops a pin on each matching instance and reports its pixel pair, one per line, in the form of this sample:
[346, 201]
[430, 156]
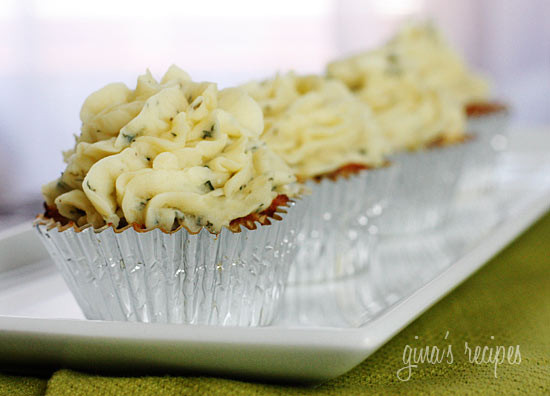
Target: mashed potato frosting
[410, 113]
[169, 153]
[317, 125]
[426, 53]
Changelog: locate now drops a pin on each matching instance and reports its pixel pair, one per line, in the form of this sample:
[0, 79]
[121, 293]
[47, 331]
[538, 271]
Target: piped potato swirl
[317, 125]
[166, 154]
[424, 50]
[411, 114]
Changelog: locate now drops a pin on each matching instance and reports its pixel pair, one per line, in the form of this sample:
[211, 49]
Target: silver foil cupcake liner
[336, 238]
[234, 279]
[424, 188]
[490, 139]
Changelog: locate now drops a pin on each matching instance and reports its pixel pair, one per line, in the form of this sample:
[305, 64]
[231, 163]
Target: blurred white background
[53, 53]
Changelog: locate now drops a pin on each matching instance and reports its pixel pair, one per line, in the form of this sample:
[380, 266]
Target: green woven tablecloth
[508, 299]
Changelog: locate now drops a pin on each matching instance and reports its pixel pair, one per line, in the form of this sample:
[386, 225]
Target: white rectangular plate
[324, 330]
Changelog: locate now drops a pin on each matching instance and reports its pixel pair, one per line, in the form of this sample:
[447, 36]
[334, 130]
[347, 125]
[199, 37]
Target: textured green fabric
[21, 386]
[508, 299]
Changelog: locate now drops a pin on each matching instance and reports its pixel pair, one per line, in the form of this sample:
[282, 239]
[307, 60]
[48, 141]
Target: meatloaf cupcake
[330, 139]
[170, 208]
[426, 129]
[425, 51]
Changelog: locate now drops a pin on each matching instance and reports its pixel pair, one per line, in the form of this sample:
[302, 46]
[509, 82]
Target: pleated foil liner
[424, 188]
[235, 279]
[336, 238]
[490, 140]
